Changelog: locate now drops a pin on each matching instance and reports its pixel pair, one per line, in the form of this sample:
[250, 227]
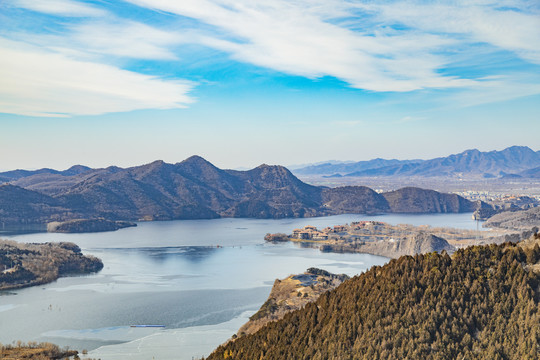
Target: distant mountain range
[515, 161]
[195, 189]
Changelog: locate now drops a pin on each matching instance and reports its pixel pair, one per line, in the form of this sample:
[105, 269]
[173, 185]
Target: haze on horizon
[239, 83]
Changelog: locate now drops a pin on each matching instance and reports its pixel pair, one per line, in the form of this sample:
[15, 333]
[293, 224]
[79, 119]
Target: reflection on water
[193, 254]
[200, 279]
[6, 230]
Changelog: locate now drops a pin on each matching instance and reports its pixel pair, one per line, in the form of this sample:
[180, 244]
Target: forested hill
[195, 189]
[481, 303]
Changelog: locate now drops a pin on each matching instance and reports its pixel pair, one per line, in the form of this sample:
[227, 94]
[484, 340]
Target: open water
[199, 279]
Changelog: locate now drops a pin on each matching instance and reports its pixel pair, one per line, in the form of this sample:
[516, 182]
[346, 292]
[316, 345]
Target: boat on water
[147, 326]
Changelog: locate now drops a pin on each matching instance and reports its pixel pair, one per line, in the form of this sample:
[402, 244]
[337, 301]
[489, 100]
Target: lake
[199, 279]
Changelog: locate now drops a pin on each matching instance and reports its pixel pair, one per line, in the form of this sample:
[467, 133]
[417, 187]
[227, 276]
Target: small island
[87, 225]
[23, 265]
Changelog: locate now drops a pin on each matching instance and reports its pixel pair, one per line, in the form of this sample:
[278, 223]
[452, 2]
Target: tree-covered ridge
[481, 303]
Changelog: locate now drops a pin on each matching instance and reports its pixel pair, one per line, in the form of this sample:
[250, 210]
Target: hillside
[292, 293]
[515, 220]
[470, 163]
[194, 189]
[347, 168]
[20, 174]
[415, 200]
[481, 303]
[354, 199]
[21, 206]
[35, 351]
[533, 173]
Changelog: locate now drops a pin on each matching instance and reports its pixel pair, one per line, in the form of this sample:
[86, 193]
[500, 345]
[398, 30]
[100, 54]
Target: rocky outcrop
[289, 294]
[420, 243]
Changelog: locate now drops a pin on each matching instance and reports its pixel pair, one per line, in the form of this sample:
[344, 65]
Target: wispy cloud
[122, 38]
[300, 38]
[378, 46]
[39, 83]
[60, 7]
[506, 24]
[385, 46]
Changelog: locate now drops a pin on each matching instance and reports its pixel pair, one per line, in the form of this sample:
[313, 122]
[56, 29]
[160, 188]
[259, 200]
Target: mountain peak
[196, 160]
[275, 169]
[471, 151]
[75, 170]
[153, 165]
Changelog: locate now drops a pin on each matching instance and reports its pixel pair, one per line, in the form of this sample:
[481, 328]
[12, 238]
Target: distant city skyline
[241, 83]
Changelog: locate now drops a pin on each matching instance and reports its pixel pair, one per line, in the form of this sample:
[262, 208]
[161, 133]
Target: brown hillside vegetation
[481, 303]
[196, 189]
[34, 351]
[24, 265]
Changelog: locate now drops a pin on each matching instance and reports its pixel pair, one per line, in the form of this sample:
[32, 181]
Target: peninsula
[87, 225]
[23, 265]
[380, 238]
[289, 294]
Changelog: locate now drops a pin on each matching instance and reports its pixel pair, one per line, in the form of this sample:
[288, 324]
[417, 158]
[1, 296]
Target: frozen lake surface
[200, 279]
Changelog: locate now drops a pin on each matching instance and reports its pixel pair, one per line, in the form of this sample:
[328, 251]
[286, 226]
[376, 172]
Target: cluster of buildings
[312, 233]
[359, 225]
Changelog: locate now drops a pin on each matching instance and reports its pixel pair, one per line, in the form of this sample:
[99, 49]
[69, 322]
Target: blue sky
[282, 82]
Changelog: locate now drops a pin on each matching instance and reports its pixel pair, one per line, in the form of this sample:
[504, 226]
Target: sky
[243, 82]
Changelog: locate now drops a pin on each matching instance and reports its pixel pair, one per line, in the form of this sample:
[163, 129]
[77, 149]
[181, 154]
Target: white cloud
[60, 7]
[509, 25]
[295, 39]
[496, 90]
[122, 38]
[355, 41]
[395, 46]
[37, 83]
